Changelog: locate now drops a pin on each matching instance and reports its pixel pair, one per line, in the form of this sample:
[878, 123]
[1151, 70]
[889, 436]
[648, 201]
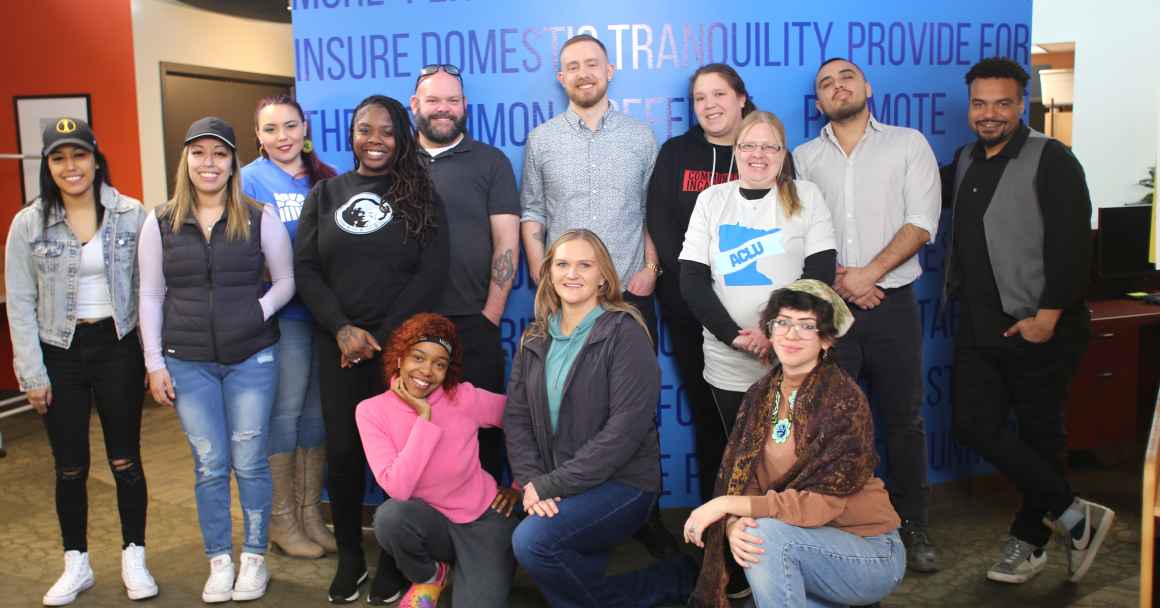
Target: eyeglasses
[748, 147]
[428, 70]
[805, 329]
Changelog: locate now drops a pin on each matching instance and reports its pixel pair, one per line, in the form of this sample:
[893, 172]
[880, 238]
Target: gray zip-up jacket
[607, 425]
[42, 275]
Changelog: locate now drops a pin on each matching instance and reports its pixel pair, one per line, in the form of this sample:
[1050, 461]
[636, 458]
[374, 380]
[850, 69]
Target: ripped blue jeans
[225, 413]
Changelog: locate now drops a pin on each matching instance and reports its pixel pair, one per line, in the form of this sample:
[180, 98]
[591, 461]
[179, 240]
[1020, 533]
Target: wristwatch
[656, 268]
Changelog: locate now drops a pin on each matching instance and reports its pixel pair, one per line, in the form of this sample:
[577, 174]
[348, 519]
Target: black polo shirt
[475, 181]
[1066, 207]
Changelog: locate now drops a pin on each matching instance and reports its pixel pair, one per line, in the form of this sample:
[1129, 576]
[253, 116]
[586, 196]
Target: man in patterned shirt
[588, 167]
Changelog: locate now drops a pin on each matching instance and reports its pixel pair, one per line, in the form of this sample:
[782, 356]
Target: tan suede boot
[311, 463]
[285, 528]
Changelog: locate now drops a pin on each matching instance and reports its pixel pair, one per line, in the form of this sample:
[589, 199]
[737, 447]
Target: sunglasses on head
[428, 70]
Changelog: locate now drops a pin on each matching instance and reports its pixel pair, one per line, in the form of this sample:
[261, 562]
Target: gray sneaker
[1083, 542]
[1019, 562]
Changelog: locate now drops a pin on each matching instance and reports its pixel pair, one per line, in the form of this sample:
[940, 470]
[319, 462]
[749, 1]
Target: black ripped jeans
[97, 368]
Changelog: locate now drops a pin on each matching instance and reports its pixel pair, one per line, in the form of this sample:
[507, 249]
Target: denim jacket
[42, 276]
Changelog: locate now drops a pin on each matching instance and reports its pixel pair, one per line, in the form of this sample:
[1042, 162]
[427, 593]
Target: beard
[589, 98]
[1002, 137]
[845, 113]
[438, 136]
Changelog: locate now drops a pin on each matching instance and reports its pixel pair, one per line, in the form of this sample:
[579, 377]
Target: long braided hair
[411, 192]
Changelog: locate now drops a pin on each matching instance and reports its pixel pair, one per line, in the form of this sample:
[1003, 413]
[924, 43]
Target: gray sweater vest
[1013, 224]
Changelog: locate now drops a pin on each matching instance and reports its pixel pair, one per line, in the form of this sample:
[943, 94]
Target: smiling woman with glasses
[745, 239]
[798, 502]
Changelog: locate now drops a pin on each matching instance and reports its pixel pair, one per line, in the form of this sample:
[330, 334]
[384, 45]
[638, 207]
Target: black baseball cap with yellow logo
[67, 131]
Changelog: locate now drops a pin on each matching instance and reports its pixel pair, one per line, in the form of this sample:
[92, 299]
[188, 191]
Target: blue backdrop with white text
[914, 54]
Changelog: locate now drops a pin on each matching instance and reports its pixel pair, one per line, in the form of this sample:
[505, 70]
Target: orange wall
[62, 47]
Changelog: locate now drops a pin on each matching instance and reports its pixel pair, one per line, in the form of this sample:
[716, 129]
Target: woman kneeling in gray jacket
[581, 434]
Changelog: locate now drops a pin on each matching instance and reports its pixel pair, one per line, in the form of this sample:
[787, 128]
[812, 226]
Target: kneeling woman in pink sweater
[421, 443]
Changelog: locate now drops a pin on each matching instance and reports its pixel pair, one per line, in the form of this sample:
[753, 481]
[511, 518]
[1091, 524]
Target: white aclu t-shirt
[752, 249]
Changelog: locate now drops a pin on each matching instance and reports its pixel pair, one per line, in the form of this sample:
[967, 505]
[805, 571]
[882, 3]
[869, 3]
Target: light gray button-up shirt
[575, 177]
[890, 179]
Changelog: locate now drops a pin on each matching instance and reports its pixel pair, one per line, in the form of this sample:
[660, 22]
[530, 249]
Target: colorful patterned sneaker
[426, 595]
[1018, 563]
[1084, 540]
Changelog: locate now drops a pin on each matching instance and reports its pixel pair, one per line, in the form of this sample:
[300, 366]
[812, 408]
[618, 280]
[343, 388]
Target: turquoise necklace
[782, 428]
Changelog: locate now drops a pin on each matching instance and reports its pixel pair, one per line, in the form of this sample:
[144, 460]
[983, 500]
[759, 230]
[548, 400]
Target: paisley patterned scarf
[834, 435]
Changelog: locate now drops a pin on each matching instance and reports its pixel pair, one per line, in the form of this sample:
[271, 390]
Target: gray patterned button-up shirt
[578, 178]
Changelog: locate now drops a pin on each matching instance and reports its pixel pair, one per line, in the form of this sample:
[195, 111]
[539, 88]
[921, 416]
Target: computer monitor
[1122, 242]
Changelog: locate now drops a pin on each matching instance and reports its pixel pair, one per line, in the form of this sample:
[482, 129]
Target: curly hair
[804, 302]
[411, 192]
[418, 326]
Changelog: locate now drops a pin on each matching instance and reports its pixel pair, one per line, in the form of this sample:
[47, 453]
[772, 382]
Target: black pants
[342, 390]
[883, 350]
[988, 384]
[647, 307]
[727, 403]
[415, 535]
[483, 362]
[98, 368]
[709, 434]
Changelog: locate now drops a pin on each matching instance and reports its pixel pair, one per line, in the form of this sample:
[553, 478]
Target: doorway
[190, 92]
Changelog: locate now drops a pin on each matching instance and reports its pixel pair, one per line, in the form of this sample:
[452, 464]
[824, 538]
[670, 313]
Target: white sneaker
[1018, 562]
[1081, 552]
[219, 587]
[77, 577]
[252, 578]
[138, 582]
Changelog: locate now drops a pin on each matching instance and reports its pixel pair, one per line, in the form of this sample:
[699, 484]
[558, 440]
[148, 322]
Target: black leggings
[342, 390]
[98, 368]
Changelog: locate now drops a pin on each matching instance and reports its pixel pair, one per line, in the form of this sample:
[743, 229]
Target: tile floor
[968, 527]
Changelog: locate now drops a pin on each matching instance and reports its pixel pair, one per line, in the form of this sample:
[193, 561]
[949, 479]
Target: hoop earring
[307, 146]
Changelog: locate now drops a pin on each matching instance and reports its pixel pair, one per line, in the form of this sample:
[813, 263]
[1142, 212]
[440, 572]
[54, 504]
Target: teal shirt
[561, 355]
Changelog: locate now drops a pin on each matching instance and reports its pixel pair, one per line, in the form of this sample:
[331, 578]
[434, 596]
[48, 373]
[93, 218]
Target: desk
[1119, 369]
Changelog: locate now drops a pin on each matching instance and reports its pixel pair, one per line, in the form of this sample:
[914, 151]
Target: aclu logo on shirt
[740, 249]
[289, 205]
[363, 213]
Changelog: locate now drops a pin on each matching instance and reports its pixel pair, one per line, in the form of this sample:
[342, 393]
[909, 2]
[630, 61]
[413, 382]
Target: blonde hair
[609, 295]
[786, 190]
[179, 208]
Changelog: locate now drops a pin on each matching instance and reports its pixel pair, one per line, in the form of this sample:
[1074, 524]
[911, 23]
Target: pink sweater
[435, 461]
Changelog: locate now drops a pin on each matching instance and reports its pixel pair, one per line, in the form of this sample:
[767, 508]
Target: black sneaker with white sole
[351, 574]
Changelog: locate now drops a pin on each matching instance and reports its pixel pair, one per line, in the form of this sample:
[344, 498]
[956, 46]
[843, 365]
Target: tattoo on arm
[539, 236]
[503, 268]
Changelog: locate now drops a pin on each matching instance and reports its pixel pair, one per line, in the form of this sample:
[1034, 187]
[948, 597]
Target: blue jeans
[225, 413]
[823, 566]
[567, 555]
[296, 421]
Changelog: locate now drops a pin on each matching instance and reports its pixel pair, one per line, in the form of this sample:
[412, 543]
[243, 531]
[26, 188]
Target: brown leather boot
[285, 528]
[312, 463]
